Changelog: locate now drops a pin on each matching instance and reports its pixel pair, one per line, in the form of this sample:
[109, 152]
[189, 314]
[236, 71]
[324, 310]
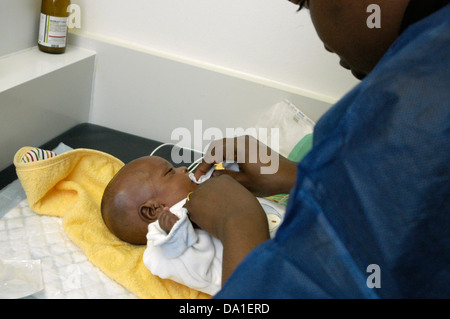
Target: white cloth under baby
[192, 256]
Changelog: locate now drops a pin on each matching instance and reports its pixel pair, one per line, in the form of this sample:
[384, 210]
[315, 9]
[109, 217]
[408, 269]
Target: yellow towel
[71, 186]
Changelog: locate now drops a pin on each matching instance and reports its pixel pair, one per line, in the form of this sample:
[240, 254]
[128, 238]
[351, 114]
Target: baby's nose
[182, 169]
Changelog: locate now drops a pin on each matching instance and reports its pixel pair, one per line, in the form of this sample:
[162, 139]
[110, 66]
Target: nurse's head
[343, 27]
[140, 193]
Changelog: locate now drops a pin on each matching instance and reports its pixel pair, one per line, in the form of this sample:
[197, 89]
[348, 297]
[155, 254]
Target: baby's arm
[166, 220]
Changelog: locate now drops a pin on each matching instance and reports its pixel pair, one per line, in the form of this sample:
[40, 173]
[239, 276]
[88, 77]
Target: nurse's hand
[261, 170]
[225, 209]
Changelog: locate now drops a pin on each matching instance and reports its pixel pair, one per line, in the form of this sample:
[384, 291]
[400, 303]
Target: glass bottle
[53, 26]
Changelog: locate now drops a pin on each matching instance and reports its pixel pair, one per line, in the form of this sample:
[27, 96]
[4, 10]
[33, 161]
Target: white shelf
[23, 66]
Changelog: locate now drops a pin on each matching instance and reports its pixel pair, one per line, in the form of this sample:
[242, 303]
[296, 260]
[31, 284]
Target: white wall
[266, 39]
[19, 24]
[150, 95]
[262, 38]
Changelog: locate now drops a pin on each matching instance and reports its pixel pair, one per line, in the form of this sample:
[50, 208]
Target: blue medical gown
[374, 190]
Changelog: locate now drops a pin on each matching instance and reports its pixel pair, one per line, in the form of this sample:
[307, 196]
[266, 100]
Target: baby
[150, 189]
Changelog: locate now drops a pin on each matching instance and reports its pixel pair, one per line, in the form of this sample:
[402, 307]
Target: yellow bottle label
[52, 31]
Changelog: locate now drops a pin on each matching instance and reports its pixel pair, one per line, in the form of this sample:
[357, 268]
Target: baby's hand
[166, 220]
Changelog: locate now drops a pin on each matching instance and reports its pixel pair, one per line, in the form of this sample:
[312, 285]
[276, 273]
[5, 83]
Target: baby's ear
[147, 212]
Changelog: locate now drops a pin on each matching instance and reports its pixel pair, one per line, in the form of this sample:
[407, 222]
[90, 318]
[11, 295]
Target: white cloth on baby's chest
[186, 255]
[192, 256]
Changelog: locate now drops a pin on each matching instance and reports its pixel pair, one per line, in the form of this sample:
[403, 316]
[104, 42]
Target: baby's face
[168, 185]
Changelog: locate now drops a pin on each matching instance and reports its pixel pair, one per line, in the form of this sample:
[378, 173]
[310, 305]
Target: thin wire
[160, 146]
[195, 164]
[192, 166]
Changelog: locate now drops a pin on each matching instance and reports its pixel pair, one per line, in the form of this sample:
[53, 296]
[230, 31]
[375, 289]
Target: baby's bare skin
[166, 219]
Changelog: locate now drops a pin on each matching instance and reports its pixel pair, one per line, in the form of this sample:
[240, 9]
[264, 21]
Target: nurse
[368, 214]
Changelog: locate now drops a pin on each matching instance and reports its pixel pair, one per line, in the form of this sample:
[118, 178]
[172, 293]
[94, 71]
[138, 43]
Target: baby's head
[137, 194]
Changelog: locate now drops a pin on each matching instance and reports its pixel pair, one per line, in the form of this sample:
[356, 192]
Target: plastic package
[20, 278]
[293, 125]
